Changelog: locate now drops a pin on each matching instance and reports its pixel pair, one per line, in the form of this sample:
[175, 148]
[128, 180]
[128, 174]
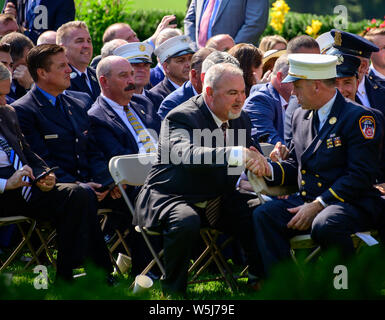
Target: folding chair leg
[44, 246]
[25, 240]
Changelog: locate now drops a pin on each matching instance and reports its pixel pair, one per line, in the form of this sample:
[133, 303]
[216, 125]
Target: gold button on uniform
[303, 182]
[303, 193]
[317, 175]
[319, 184]
[303, 171]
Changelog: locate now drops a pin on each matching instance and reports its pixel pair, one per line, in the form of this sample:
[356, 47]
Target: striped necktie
[17, 164]
[144, 137]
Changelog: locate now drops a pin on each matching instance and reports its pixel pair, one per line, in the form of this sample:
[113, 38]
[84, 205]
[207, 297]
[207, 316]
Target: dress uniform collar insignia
[73, 75]
[332, 120]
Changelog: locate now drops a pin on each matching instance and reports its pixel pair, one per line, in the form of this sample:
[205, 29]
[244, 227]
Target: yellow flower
[314, 28]
[279, 10]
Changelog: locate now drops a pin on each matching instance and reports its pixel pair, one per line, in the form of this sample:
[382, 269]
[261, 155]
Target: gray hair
[218, 57]
[4, 72]
[109, 47]
[216, 72]
[281, 65]
[166, 34]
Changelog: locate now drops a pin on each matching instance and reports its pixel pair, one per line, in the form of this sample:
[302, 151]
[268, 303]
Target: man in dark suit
[189, 88]
[40, 15]
[116, 132]
[70, 208]
[175, 56]
[182, 186]
[56, 125]
[75, 38]
[334, 201]
[267, 105]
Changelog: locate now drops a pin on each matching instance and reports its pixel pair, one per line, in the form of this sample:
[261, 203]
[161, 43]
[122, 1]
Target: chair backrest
[131, 169]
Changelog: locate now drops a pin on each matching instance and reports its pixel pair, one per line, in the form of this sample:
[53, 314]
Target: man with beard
[75, 38]
[193, 178]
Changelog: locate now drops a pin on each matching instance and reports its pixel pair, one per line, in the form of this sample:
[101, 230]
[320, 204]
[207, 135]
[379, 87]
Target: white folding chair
[132, 170]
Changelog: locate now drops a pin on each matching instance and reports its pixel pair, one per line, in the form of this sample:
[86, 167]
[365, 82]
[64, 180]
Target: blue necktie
[17, 164]
[29, 12]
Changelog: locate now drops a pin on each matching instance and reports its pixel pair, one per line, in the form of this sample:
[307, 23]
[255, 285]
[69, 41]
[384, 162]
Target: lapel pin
[142, 111]
[333, 120]
[73, 75]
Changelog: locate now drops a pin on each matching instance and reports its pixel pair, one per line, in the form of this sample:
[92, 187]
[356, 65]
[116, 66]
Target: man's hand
[115, 193]
[381, 187]
[95, 186]
[10, 9]
[304, 215]
[15, 181]
[23, 77]
[279, 153]
[266, 77]
[256, 163]
[165, 23]
[47, 183]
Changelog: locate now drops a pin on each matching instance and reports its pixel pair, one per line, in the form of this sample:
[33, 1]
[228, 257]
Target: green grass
[366, 280]
[177, 5]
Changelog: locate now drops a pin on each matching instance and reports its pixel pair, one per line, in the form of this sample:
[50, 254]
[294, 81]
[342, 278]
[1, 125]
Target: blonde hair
[268, 42]
[62, 32]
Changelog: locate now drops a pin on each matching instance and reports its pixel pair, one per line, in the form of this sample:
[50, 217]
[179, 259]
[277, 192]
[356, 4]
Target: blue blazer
[156, 75]
[62, 138]
[160, 92]
[265, 111]
[176, 98]
[85, 97]
[112, 135]
[77, 83]
[59, 12]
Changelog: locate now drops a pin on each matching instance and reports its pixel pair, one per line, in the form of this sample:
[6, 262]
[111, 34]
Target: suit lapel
[77, 82]
[199, 7]
[221, 9]
[49, 110]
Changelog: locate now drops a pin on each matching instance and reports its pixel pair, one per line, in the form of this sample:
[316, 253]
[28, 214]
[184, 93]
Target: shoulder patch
[367, 126]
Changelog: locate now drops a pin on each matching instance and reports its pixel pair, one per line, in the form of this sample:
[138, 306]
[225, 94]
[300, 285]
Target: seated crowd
[320, 102]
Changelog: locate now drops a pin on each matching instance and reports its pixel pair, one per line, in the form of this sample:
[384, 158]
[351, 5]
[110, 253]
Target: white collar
[80, 73]
[112, 103]
[173, 83]
[361, 86]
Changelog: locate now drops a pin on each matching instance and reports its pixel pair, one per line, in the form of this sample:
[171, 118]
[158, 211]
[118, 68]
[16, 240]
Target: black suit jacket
[193, 179]
[160, 91]
[77, 83]
[62, 139]
[59, 12]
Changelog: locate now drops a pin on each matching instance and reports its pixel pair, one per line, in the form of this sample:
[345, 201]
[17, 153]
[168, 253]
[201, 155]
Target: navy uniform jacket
[161, 91]
[341, 163]
[62, 140]
[174, 99]
[16, 91]
[375, 94]
[265, 111]
[156, 75]
[170, 183]
[376, 78]
[111, 134]
[77, 83]
[85, 97]
[59, 12]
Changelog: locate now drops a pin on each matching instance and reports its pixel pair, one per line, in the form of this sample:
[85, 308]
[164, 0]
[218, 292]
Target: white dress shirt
[361, 93]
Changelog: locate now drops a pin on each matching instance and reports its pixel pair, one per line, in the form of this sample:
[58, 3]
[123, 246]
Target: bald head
[221, 42]
[120, 31]
[47, 37]
[116, 79]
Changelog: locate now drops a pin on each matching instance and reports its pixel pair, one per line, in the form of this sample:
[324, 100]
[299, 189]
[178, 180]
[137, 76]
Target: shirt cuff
[236, 157]
[322, 202]
[272, 173]
[3, 183]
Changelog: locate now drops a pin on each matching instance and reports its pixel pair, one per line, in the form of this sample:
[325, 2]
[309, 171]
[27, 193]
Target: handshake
[257, 163]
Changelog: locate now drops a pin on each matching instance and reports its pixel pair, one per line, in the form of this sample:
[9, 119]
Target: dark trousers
[72, 211]
[332, 227]
[181, 235]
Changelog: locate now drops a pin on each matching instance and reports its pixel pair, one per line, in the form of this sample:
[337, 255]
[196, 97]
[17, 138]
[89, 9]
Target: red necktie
[204, 25]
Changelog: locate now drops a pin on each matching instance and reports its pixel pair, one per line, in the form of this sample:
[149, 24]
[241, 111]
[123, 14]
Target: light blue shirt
[213, 15]
[50, 97]
[324, 111]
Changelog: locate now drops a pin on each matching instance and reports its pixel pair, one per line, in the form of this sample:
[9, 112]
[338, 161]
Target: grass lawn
[177, 5]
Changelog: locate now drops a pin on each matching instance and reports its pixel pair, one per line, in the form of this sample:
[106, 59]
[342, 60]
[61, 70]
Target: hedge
[99, 14]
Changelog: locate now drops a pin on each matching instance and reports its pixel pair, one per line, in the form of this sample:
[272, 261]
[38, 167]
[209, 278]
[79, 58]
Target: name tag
[51, 136]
